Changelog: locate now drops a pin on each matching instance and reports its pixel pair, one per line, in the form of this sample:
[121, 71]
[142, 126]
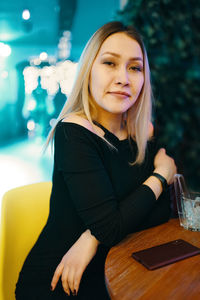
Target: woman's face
[116, 77]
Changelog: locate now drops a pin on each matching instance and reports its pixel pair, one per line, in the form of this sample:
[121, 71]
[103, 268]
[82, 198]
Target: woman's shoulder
[76, 119]
[82, 122]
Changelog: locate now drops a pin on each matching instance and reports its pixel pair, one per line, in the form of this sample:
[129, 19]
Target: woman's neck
[114, 124]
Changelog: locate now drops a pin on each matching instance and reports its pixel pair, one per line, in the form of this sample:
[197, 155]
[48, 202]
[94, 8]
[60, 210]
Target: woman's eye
[136, 68]
[109, 63]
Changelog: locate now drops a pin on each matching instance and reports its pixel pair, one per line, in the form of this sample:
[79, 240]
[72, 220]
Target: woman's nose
[122, 76]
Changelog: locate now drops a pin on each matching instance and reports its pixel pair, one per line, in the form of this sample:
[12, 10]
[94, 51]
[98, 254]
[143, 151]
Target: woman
[103, 182]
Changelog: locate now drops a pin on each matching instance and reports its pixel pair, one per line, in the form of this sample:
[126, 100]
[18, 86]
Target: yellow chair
[24, 213]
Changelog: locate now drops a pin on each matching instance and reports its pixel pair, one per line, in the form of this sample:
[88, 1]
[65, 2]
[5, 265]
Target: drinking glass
[188, 204]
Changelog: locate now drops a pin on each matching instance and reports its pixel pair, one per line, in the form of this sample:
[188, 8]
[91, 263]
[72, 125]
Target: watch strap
[162, 180]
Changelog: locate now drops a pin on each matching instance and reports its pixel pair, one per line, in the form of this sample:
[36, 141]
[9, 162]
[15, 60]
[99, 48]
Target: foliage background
[170, 30]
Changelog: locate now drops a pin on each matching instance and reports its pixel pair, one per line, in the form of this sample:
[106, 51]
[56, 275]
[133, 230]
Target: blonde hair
[79, 101]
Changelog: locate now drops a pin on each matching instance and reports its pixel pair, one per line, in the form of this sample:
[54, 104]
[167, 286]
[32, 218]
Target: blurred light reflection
[23, 163]
[26, 14]
[5, 50]
[62, 73]
[43, 55]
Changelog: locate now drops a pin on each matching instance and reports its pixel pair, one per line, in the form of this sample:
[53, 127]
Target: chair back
[24, 212]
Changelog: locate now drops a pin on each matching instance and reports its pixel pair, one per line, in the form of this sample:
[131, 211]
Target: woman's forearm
[155, 185]
[87, 236]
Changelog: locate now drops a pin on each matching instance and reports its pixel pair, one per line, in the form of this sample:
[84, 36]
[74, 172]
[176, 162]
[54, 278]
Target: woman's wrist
[162, 172]
[87, 235]
[162, 180]
[155, 185]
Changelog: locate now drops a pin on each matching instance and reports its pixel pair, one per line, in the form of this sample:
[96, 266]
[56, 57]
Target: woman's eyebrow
[117, 55]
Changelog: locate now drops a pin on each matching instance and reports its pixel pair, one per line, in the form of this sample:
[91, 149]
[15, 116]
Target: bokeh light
[31, 104]
[61, 74]
[5, 50]
[43, 56]
[31, 125]
[52, 122]
[4, 74]
[26, 14]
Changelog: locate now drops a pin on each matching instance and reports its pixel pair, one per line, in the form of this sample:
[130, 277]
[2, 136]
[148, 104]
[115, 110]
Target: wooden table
[128, 279]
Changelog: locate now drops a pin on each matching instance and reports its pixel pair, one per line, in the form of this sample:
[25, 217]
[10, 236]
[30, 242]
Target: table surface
[128, 279]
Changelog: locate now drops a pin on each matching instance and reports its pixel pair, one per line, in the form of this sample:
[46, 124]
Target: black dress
[94, 187]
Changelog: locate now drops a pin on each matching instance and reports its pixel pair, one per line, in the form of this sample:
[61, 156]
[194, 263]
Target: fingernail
[74, 293]
[51, 288]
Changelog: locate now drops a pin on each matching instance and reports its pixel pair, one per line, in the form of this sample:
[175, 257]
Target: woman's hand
[165, 165]
[74, 262]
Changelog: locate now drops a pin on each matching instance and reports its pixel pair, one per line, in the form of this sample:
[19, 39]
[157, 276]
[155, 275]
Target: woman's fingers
[70, 277]
[162, 151]
[65, 280]
[56, 275]
[71, 280]
[77, 280]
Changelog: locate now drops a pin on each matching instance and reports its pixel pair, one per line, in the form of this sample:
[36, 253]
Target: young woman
[109, 177]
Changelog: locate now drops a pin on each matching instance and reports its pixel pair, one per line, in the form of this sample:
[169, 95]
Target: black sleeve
[160, 212]
[92, 192]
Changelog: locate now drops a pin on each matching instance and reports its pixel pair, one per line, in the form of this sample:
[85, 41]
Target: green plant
[170, 30]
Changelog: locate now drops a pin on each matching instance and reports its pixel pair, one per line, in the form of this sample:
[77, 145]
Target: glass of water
[188, 204]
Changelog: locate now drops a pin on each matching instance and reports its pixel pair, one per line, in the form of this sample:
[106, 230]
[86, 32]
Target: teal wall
[90, 15]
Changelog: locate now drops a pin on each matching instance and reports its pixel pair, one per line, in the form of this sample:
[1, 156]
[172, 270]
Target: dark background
[170, 30]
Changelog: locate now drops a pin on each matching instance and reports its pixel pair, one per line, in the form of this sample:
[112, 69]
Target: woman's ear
[151, 129]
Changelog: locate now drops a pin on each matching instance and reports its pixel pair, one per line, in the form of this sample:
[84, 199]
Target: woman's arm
[165, 166]
[74, 263]
[78, 159]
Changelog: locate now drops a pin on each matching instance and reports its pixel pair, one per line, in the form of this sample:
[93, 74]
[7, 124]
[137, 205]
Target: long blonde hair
[79, 101]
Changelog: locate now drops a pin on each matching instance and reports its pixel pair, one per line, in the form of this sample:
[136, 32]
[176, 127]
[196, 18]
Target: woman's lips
[120, 94]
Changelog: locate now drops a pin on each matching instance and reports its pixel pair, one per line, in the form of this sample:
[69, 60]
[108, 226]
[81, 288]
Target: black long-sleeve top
[96, 188]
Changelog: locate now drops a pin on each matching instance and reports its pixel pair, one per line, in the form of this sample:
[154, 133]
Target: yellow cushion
[24, 213]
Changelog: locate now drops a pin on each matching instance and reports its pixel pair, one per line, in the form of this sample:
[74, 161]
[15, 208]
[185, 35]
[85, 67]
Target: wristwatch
[162, 180]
